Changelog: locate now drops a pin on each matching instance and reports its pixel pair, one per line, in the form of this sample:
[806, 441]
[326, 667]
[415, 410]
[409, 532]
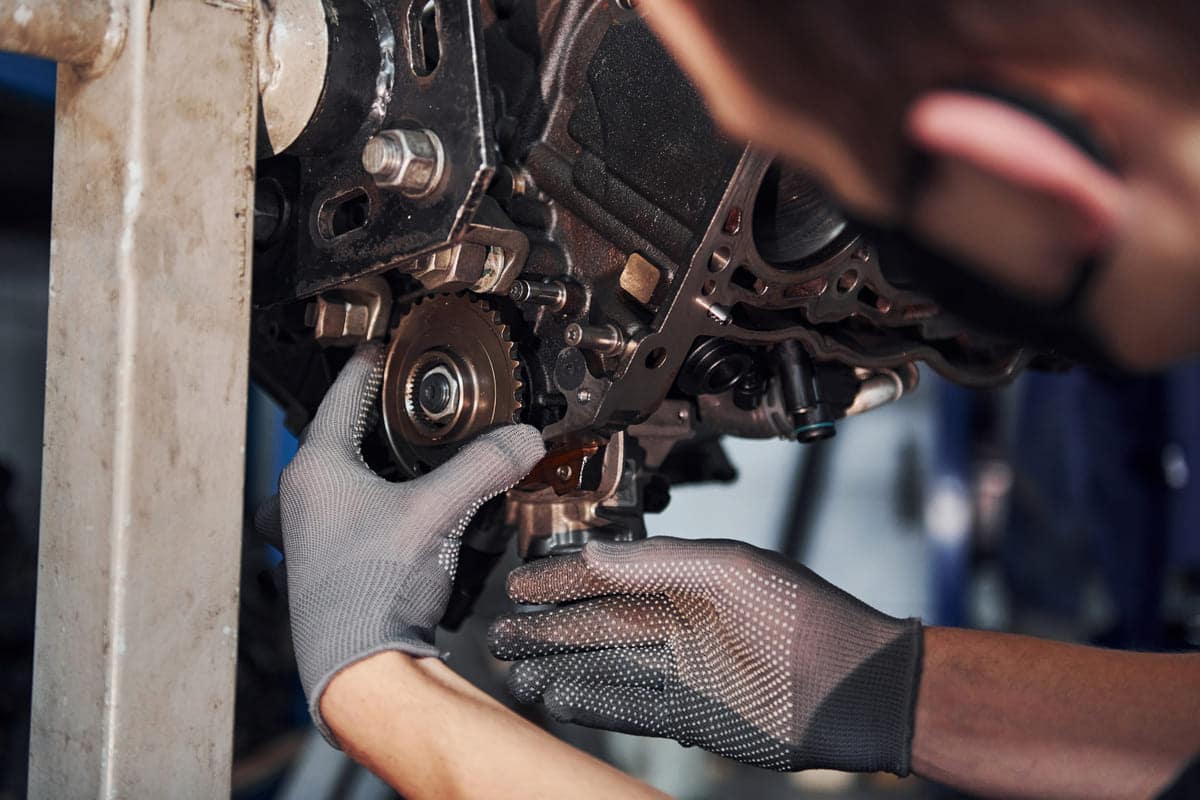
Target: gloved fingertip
[562, 702]
[493, 463]
[527, 681]
[515, 582]
[556, 579]
[500, 634]
[348, 401]
[367, 356]
[522, 444]
[368, 349]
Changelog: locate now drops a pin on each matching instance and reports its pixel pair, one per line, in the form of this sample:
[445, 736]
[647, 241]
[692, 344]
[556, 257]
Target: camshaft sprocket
[451, 372]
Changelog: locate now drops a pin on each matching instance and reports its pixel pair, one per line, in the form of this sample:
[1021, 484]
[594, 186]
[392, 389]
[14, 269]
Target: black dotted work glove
[716, 644]
[370, 563]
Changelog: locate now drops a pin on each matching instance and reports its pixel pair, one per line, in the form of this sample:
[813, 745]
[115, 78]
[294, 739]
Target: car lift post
[146, 382]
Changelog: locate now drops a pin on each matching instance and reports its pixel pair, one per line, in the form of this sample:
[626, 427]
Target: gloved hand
[716, 644]
[370, 564]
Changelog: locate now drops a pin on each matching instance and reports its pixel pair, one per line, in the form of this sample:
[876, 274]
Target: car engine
[528, 202]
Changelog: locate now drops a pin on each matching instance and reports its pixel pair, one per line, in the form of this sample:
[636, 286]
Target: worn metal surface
[660, 262]
[84, 33]
[145, 411]
[293, 54]
[344, 226]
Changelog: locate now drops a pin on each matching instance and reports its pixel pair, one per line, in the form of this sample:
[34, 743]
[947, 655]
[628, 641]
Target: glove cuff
[909, 654]
[356, 612]
[866, 722]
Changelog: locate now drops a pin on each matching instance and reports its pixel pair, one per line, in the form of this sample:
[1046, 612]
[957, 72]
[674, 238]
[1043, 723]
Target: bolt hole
[720, 259]
[424, 49]
[343, 214]
[657, 357]
[872, 300]
[746, 279]
[708, 288]
[847, 281]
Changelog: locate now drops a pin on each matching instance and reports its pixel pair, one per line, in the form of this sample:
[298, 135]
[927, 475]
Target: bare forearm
[429, 733]
[1014, 716]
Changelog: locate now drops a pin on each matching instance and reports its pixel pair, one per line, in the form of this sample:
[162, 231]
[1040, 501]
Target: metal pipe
[883, 387]
[607, 339]
[874, 392]
[768, 420]
[551, 294]
[85, 33]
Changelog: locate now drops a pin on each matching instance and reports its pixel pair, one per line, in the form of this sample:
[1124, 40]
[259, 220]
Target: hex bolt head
[411, 162]
[435, 393]
[564, 472]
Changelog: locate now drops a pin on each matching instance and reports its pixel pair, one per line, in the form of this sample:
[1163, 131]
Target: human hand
[370, 563]
[716, 644]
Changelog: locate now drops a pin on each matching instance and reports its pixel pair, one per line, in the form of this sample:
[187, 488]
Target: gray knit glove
[716, 644]
[370, 563]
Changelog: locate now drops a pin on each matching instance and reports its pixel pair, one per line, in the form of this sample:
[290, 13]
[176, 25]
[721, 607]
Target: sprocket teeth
[421, 322]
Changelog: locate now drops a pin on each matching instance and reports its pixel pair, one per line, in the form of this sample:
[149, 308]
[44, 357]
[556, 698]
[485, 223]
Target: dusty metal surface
[293, 54]
[85, 33]
[145, 411]
[383, 74]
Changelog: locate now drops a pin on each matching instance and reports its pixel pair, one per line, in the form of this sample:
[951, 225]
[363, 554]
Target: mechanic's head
[848, 88]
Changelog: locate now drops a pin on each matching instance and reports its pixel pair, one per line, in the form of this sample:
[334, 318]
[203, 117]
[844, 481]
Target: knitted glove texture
[370, 563]
[715, 644]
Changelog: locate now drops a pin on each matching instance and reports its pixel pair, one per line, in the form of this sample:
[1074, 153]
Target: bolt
[334, 321]
[410, 161]
[564, 472]
[607, 340]
[682, 415]
[437, 394]
[584, 396]
[551, 294]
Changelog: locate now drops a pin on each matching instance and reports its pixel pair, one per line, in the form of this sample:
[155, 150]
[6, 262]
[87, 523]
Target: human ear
[1010, 192]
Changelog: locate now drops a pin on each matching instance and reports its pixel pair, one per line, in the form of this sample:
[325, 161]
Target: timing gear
[451, 372]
